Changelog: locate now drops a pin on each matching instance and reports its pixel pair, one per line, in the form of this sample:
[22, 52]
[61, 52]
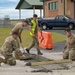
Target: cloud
[14, 14]
[7, 7]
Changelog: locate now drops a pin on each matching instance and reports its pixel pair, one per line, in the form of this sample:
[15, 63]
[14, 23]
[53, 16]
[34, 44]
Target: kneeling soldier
[69, 52]
[8, 47]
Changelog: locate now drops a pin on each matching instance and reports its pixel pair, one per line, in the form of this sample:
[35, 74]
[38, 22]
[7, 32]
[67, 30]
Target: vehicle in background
[29, 19]
[58, 21]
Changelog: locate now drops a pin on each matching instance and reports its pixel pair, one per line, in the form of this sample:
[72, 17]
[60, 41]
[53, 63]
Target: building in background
[59, 7]
[30, 4]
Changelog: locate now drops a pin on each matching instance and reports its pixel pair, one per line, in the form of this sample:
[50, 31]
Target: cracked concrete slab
[54, 69]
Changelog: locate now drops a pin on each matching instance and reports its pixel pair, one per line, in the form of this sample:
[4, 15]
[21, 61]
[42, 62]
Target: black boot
[27, 50]
[39, 53]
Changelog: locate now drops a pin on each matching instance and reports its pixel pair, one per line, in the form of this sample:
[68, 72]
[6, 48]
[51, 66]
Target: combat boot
[27, 51]
[39, 53]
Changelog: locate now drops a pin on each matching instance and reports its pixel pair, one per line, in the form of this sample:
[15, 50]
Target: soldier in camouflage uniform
[69, 52]
[34, 35]
[19, 28]
[8, 47]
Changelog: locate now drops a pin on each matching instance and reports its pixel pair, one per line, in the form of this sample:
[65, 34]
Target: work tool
[48, 62]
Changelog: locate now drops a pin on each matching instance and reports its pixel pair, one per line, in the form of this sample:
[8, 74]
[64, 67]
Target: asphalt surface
[58, 47]
[59, 30]
[53, 69]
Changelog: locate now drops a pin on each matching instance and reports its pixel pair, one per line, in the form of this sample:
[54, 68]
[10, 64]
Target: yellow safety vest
[33, 27]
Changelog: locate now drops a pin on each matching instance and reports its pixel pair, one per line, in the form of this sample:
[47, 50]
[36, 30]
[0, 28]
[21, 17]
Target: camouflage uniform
[18, 27]
[69, 53]
[35, 41]
[7, 49]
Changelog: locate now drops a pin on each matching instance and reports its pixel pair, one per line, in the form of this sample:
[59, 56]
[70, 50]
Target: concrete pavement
[53, 69]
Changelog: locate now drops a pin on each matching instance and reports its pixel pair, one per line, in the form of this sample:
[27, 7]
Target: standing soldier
[7, 49]
[19, 28]
[34, 35]
[69, 53]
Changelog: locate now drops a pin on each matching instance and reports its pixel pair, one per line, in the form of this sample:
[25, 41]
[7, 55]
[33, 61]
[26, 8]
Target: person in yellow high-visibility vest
[34, 35]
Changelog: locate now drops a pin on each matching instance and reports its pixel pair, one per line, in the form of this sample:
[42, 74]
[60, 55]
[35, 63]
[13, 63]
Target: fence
[7, 23]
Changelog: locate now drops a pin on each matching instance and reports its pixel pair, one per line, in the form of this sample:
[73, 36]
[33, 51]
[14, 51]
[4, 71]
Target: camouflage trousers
[9, 59]
[18, 43]
[69, 54]
[18, 53]
[35, 43]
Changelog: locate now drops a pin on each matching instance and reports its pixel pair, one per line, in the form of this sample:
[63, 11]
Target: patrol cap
[67, 29]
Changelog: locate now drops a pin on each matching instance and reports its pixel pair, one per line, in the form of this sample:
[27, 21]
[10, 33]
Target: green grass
[58, 37]
[4, 32]
[14, 22]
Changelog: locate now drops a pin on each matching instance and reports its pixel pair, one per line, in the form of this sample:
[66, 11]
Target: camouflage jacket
[9, 45]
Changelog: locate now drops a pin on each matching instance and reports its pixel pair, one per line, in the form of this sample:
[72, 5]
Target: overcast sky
[7, 7]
